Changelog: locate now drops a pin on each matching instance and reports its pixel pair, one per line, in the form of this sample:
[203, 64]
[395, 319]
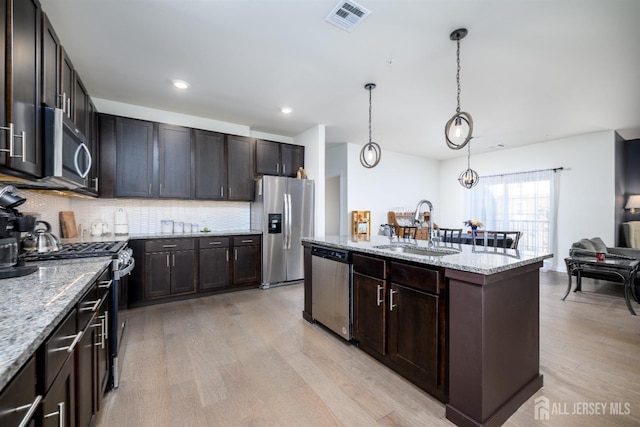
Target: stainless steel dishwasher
[331, 289]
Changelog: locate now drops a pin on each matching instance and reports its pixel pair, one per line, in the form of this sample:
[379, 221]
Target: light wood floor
[249, 359]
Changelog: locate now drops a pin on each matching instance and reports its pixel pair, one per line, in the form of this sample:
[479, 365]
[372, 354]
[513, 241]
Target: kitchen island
[476, 347]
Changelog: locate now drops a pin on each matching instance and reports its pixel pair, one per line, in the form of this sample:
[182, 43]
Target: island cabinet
[399, 318]
[275, 158]
[169, 267]
[18, 402]
[20, 47]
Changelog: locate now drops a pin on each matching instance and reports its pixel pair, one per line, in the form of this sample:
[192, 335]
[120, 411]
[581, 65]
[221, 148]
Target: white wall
[587, 184]
[336, 165]
[314, 154]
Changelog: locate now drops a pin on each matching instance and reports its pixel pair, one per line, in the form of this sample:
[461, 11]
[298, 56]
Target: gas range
[81, 250]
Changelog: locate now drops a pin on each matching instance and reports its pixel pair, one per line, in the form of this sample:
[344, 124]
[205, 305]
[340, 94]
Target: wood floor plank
[249, 359]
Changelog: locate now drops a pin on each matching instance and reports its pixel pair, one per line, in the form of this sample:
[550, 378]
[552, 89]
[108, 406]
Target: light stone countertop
[32, 306]
[479, 260]
[140, 236]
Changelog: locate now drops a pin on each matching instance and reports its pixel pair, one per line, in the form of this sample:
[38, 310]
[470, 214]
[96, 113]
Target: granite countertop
[32, 306]
[477, 259]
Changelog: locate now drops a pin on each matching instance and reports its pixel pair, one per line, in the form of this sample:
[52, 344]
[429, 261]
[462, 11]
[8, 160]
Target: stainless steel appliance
[67, 156]
[284, 211]
[121, 266]
[331, 302]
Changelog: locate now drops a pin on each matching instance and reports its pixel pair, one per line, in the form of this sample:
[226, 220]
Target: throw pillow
[599, 245]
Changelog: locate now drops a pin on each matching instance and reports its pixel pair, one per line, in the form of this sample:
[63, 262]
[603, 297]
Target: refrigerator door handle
[285, 225]
[289, 221]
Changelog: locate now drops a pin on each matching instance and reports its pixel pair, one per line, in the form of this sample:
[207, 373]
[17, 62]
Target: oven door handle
[126, 270]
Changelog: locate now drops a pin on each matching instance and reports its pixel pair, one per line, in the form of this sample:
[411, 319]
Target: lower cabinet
[399, 317]
[18, 402]
[173, 268]
[59, 404]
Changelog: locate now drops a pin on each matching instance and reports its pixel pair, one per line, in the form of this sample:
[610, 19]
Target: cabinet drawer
[58, 347]
[428, 280]
[213, 242]
[246, 240]
[369, 266]
[168, 245]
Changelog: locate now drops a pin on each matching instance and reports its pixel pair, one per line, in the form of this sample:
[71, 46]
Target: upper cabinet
[66, 83]
[20, 145]
[240, 165]
[51, 58]
[174, 157]
[275, 158]
[134, 158]
[210, 165]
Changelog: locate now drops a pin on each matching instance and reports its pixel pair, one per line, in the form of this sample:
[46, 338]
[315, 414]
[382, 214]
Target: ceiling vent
[347, 15]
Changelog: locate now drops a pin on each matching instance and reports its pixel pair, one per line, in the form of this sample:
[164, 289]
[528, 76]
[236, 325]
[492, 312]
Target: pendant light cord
[458, 74]
[370, 114]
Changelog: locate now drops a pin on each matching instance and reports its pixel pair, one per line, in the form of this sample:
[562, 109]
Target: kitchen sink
[417, 250]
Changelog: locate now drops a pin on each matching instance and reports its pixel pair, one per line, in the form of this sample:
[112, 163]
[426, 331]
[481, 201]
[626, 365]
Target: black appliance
[121, 266]
[67, 156]
[12, 225]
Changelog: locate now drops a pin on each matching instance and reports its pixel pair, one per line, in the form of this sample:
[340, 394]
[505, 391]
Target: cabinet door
[292, 159]
[24, 94]
[267, 157]
[51, 47]
[85, 378]
[157, 280]
[240, 164]
[210, 165]
[214, 269]
[369, 312]
[174, 173]
[66, 83]
[247, 265]
[58, 406]
[80, 97]
[106, 136]
[20, 393]
[102, 346]
[94, 148]
[4, 140]
[183, 272]
[413, 331]
[134, 158]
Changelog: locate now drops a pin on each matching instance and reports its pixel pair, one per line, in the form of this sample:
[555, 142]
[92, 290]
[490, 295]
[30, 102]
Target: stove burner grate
[79, 250]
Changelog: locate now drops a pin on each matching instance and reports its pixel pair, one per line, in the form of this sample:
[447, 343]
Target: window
[524, 202]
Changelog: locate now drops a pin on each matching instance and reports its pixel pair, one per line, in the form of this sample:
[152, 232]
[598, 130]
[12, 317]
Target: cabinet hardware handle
[221, 191]
[161, 189]
[9, 140]
[22, 135]
[248, 241]
[277, 167]
[379, 295]
[59, 413]
[106, 325]
[227, 255]
[75, 341]
[215, 243]
[391, 304]
[168, 261]
[95, 186]
[32, 408]
[149, 189]
[105, 284]
[102, 332]
[174, 259]
[284, 169]
[69, 107]
[95, 306]
[169, 246]
[64, 102]
[236, 254]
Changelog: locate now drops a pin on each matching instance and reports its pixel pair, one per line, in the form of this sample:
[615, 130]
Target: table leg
[578, 281]
[628, 282]
[568, 287]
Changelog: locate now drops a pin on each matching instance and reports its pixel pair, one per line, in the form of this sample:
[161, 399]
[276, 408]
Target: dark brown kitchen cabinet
[240, 166]
[170, 267]
[80, 107]
[51, 65]
[210, 165]
[247, 260]
[134, 158]
[67, 84]
[20, 147]
[94, 147]
[59, 404]
[275, 158]
[369, 302]
[214, 265]
[19, 398]
[174, 157]
[86, 374]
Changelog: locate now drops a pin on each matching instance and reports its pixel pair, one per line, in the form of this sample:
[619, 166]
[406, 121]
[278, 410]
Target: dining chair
[498, 239]
[452, 235]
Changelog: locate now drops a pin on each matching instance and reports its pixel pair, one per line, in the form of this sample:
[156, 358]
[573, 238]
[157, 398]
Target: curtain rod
[518, 173]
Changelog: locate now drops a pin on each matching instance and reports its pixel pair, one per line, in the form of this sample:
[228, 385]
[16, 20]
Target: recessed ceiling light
[286, 110]
[181, 84]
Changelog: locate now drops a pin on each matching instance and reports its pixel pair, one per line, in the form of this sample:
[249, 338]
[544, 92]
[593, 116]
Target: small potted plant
[474, 224]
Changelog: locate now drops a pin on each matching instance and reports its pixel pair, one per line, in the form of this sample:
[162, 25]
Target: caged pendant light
[469, 178]
[370, 154]
[453, 130]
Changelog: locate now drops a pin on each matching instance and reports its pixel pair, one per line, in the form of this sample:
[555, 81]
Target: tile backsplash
[144, 215]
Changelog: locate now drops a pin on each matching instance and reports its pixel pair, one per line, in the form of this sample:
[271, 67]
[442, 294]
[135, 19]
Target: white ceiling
[532, 70]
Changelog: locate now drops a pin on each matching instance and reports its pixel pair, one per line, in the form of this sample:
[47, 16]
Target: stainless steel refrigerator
[284, 211]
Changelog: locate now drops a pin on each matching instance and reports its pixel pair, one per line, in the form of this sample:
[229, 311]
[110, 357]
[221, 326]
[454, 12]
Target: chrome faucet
[417, 221]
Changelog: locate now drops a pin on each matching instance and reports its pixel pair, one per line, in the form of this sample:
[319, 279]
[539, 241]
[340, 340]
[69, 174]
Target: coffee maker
[12, 225]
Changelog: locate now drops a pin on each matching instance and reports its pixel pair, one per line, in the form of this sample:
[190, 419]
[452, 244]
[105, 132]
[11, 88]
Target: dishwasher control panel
[333, 254]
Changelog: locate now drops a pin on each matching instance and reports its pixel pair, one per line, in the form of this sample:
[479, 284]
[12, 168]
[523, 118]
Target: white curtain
[525, 202]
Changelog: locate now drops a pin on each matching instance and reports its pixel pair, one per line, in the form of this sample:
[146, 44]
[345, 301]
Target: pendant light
[469, 178]
[370, 154]
[453, 131]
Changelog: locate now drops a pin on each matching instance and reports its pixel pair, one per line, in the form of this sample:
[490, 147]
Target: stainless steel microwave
[67, 160]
